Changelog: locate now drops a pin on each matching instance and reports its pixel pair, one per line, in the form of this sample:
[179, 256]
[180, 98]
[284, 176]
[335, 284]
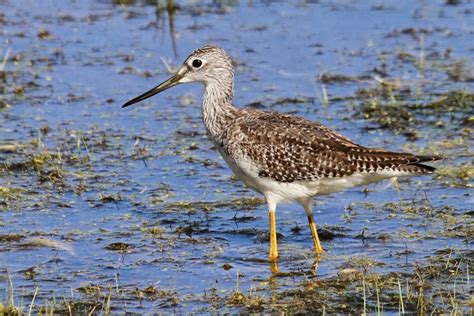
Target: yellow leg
[273, 256]
[312, 225]
[274, 266]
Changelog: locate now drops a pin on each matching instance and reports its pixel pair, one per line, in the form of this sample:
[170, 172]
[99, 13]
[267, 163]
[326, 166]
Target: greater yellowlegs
[284, 157]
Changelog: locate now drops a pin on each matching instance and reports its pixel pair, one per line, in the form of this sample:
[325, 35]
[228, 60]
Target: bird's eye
[197, 63]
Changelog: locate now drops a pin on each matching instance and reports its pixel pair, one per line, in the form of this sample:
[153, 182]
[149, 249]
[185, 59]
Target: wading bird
[284, 157]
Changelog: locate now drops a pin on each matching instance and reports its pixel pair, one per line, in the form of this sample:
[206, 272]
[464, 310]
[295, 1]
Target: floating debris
[34, 242]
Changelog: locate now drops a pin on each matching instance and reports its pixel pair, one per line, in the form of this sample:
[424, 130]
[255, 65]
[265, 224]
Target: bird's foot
[274, 266]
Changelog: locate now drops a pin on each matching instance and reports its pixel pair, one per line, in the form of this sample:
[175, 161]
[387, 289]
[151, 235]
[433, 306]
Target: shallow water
[135, 205]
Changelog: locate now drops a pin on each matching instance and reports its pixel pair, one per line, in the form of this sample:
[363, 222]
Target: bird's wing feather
[289, 148]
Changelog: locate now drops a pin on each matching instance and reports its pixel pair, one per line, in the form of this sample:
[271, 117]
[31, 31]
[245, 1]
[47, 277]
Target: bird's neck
[217, 106]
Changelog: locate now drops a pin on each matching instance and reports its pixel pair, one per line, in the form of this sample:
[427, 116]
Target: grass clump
[456, 176]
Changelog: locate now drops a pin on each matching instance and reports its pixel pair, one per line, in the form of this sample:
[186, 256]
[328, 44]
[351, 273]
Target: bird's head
[209, 65]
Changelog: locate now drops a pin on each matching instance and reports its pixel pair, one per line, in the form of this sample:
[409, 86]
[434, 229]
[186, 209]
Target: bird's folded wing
[289, 148]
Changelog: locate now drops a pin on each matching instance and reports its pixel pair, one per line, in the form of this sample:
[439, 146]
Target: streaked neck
[217, 105]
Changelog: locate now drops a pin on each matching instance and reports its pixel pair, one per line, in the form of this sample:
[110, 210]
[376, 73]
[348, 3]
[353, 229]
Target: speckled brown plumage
[289, 148]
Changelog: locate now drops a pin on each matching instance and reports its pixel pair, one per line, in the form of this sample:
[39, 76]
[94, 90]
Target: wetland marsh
[108, 210]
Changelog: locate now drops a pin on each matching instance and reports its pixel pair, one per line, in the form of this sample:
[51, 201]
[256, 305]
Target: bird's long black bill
[173, 81]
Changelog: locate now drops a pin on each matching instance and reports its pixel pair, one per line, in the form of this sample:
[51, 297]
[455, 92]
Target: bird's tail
[420, 167]
[377, 159]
